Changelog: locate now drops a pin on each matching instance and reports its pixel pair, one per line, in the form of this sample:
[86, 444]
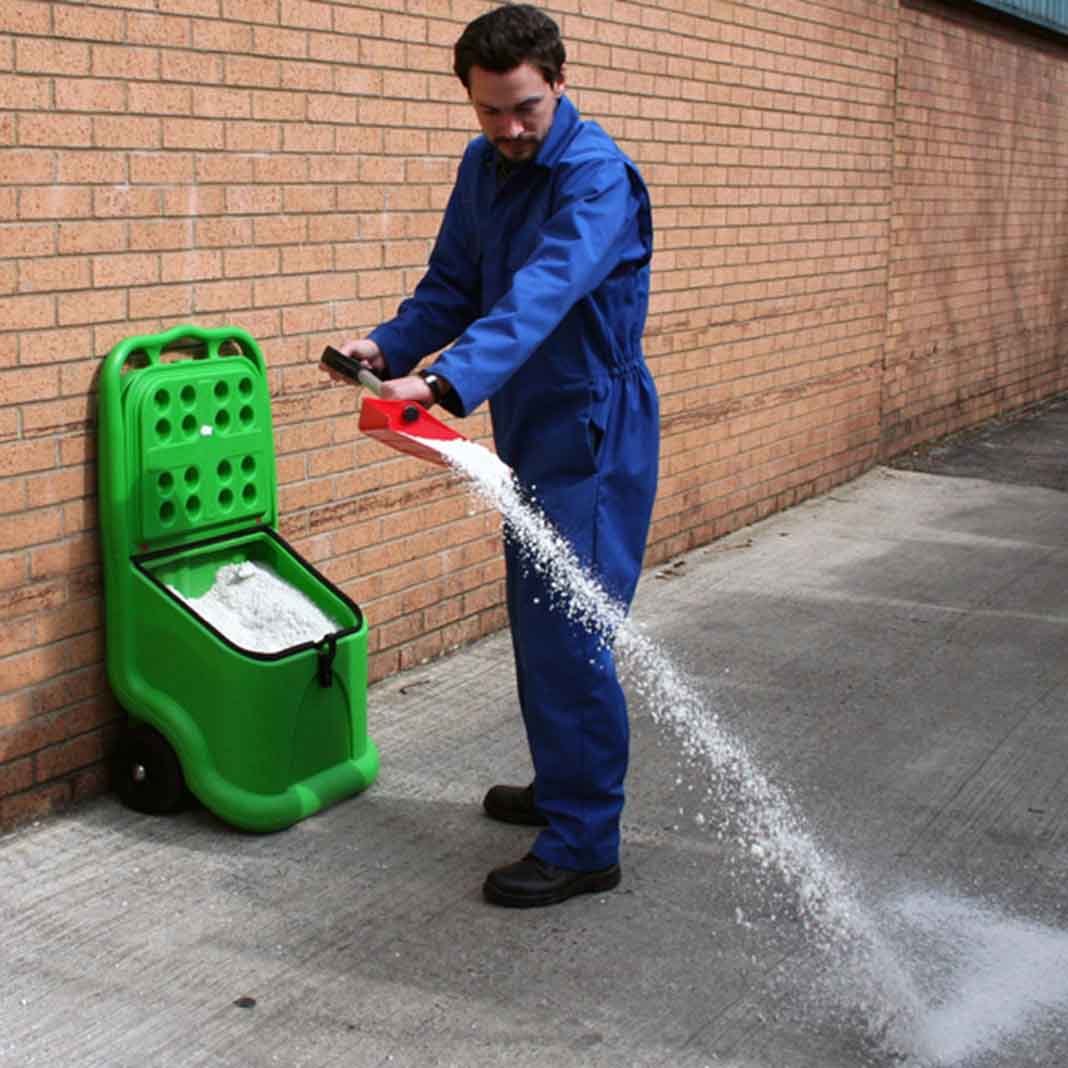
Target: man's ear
[561, 84]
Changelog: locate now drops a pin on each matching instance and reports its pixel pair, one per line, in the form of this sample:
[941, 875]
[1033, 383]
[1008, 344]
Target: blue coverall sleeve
[444, 303]
[577, 247]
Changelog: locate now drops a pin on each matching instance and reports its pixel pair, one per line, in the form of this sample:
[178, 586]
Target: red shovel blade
[407, 427]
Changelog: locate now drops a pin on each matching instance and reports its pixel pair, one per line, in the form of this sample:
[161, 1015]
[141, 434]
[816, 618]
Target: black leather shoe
[531, 882]
[514, 804]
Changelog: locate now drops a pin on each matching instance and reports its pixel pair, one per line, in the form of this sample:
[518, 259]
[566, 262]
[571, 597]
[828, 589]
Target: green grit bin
[187, 484]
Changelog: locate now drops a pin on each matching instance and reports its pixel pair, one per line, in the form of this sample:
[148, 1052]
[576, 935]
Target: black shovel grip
[351, 369]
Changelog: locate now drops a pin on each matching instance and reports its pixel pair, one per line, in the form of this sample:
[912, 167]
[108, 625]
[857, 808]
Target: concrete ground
[893, 656]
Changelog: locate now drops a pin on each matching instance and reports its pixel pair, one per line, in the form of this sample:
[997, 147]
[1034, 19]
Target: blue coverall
[542, 282]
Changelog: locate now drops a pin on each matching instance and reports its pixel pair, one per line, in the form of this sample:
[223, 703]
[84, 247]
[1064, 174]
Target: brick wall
[978, 285]
[820, 300]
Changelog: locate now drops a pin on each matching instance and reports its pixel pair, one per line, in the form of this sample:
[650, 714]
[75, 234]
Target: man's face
[515, 109]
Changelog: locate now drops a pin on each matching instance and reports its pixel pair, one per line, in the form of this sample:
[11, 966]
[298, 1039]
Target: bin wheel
[148, 776]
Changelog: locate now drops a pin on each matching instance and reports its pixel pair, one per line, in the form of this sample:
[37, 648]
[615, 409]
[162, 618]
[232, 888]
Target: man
[539, 279]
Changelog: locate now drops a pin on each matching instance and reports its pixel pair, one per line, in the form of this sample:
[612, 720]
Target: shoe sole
[596, 882]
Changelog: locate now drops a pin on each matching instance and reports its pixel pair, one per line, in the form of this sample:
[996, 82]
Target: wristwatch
[436, 383]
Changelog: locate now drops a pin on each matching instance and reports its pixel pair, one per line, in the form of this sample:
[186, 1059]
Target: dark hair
[506, 37]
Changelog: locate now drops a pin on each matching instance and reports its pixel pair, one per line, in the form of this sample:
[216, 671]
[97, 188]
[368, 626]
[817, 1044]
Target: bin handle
[326, 650]
[152, 346]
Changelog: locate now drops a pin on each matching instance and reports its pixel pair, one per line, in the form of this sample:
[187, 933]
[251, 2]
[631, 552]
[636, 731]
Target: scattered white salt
[736, 787]
[975, 979]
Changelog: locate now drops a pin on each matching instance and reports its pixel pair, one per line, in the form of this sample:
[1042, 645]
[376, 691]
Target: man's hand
[365, 352]
[411, 388]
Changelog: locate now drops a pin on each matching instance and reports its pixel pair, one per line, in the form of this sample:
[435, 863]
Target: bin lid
[187, 443]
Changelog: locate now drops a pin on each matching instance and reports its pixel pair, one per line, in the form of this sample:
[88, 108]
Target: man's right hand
[367, 352]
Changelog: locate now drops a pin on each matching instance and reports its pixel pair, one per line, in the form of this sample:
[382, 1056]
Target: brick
[193, 67]
[272, 41]
[190, 266]
[351, 22]
[358, 81]
[49, 56]
[77, 449]
[62, 416]
[167, 31]
[160, 168]
[224, 231]
[21, 457]
[29, 528]
[193, 200]
[68, 756]
[307, 77]
[126, 131]
[33, 239]
[331, 287]
[239, 263]
[27, 166]
[280, 169]
[79, 23]
[332, 169]
[16, 776]
[222, 296]
[64, 557]
[222, 169]
[253, 136]
[306, 14]
[91, 167]
[24, 93]
[161, 302]
[77, 379]
[51, 346]
[310, 198]
[161, 234]
[96, 306]
[68, 689]
[327, 107]
[216, 36]
[223, 103]
[53, 273]
[192, 134]
[88, 236]
[253, 71]
[155, 98]
[251, 199]
[29, 805]
[279, 230]
[282, 105]
[278, 292]
[307, 319]
[129, 269]
[29, 17]
[89, 94]
[135, 64]
[306, 259]
[27, 312]
[309, 137]
[205, 8]
[260, 11]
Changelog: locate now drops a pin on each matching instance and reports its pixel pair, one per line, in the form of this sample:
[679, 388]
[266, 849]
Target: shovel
[402, 425]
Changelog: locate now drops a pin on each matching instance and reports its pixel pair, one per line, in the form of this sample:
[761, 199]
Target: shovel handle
[352, 369]
[369, 380]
